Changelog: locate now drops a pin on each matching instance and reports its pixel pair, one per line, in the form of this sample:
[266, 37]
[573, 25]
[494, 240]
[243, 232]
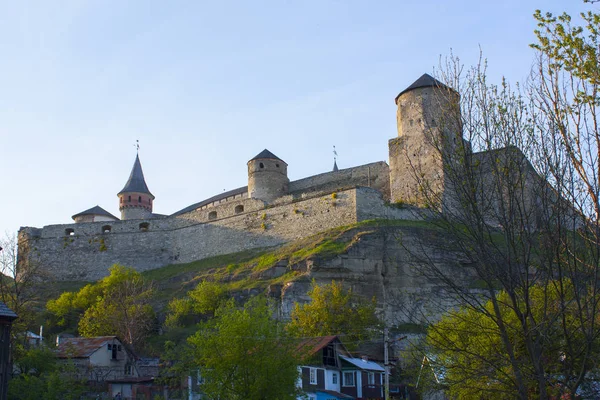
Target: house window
[106, 229]
[348, 379]
[239, 209]
[371, 378]
[334, 378]
[128, 369]
[277, 165]
[109, 346]
[114, 352]
[119, 348]
[144, 226]
[129, 199]
[329, 356]
[139, 199]
[313, 376]
[212, 215]
[261, 165]
[70, 232]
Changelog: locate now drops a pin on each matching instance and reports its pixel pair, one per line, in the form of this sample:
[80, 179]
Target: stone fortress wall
[85, 251]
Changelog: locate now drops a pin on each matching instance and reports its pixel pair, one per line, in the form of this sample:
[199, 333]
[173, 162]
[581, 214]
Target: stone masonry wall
[375, 175]
[85, 252]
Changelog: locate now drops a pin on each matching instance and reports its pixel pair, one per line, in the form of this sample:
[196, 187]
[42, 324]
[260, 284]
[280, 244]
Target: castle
[270, 210]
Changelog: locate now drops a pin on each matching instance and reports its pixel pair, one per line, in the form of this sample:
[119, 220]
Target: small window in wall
[129, 199]
[139, 199]
[144, 226]
[212, 215]
[239, 209]
[106, 229]
[277, 165]
[121, 200]
[261, 165]
[348, 379]
[334, 378]
[128, 369]
[70, 232]
[371, 378]
[313, 376]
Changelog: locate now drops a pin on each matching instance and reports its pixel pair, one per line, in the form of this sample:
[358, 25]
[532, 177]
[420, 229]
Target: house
[33, 340]
[362, 378]
[140, 388]
[98, 359]
[329, 372]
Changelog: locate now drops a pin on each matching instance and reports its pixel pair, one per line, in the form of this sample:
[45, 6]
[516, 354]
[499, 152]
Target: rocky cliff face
[392, 264]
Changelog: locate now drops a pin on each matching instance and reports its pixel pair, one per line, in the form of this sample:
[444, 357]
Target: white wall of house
[103, 358]
[329, 380]
[123, 388]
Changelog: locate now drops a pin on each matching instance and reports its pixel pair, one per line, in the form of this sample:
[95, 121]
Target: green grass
[173, 270]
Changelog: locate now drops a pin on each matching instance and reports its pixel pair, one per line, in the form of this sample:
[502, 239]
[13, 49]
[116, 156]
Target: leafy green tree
[42, 377]
[243, 354]
[200, 302]
[465, 346]
[335, 311]
[118, 304]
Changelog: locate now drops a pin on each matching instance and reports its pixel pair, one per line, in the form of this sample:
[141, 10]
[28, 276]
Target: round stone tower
[267, 177]
[135, 200]
[429, 130]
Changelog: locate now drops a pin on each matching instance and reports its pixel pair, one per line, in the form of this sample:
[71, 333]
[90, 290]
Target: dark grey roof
[6, 312]
[425, 80]
[212, 199]
[266, 154]
[335, 167]
[136, 182]
[96, 210]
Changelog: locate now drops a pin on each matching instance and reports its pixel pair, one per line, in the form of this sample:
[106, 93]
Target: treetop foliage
[118, 304]
[242, 353]
[334, 310]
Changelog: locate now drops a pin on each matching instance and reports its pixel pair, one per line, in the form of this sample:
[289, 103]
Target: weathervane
[137, 145]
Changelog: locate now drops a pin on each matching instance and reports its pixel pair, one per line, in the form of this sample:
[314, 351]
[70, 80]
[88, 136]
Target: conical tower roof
[136, 182]
[425, 80]
[266, 154]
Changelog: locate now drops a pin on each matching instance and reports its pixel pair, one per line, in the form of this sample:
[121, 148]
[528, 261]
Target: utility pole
[386, 362]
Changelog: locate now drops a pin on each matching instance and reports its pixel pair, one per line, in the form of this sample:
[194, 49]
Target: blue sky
[205, 86]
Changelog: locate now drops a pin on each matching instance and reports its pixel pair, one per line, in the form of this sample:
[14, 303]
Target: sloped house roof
[96, 210]
[82, 347]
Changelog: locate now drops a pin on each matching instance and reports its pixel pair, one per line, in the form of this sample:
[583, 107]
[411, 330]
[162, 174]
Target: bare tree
[16, 286]
[520, 205]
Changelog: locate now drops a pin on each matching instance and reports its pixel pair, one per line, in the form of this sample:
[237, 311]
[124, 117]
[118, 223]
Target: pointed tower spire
[136, 182]
[335, 167]
[135, 200]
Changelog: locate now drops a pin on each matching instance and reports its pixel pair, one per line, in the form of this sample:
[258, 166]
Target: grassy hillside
[244, 273]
